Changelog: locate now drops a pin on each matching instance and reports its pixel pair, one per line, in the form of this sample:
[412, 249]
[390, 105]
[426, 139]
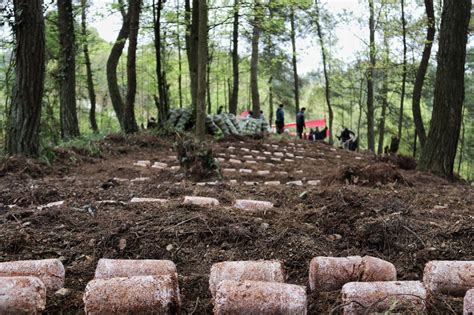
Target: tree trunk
[361, 95]
[384, 92]
[67, 75]
[404, 74]
[180, 63]
[384, 112]
[296, 84]
[130, 124]
[202, 51]
[370, 81]
[326, 72]
[420, 75]
[160, 74]
[270, 100]
[112, 63]
[463, 138]
[192, 47]
[234, 97]
[415, 144]
[90, 78]
[440, 149]
[254, 61]
[208, 80]
[25, 111]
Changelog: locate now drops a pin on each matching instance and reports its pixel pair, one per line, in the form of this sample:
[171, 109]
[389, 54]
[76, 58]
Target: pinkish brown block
[200, 201]
[263, 270]
[134, 295]
[122, 268]
[376, 269]
[262, 298]
[49, 271]
[449, 277]
[253, 205]
[469, 303]
[379, 297]
[22, 295]
[331, 273]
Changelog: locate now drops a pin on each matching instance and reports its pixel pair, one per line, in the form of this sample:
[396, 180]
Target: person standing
[300, 123]
[280, 120]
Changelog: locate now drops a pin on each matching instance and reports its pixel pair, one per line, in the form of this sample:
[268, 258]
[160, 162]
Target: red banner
[321, 123]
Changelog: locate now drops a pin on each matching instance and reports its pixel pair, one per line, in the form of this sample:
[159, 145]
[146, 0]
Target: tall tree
[325, 68]
[254, 59]
[130, 123]
[180, 63]
[25, 111]
[440, 149]
[296, 83]
[370, 80]
[87, 59]
[192, 25]
[202, 58]
[67, 75]
[112, 63]
[384, 93]
[234, 97]
[210, 56]
[420, 75]
[404, 70]
[163, 106]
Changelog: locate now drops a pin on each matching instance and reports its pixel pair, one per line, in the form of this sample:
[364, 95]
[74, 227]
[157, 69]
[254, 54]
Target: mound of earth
[378, 214]
[375, 174]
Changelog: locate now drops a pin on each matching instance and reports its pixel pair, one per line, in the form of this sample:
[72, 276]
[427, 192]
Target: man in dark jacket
[321, 135]
[300, 123]
[345, 137]
[151, 124]
[280, 120]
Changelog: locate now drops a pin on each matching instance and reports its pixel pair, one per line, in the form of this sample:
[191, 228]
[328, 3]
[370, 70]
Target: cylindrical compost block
[122, 268]
[259, 298]
[22, 295]
[264, 270]
[331, 273]
[469, 303]
[379, 297]
[253, 205]
[200, 201]
[449, 277]
[134, 295]
[50, 271]
[376, 269]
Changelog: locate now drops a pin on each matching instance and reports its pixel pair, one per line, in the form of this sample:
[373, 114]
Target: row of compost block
[367, 284]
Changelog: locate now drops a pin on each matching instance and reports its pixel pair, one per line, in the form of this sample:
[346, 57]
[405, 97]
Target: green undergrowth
[86, 145]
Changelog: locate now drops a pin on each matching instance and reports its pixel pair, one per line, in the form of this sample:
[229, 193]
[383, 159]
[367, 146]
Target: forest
[149, 162]
[89, 87]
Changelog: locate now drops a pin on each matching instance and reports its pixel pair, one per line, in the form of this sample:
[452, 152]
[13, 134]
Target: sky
[309, 54]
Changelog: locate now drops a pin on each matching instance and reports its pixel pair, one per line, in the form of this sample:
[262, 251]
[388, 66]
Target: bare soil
[363, 206]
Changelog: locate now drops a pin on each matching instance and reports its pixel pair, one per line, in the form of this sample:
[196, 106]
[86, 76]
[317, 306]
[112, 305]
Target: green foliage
[348, 78]
[87, 145]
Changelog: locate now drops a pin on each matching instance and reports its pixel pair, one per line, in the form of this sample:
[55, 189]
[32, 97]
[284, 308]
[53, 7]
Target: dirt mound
[21, 165]
[401, 161]
[371, 175]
